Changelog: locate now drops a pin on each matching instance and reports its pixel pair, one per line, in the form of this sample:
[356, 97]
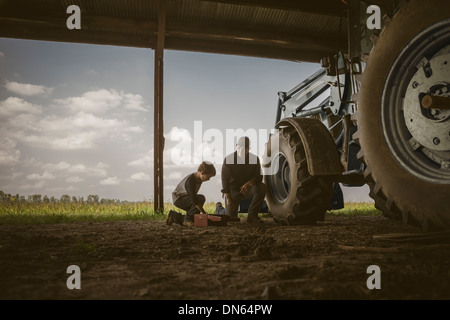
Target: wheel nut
[415, 84]
[436, 141]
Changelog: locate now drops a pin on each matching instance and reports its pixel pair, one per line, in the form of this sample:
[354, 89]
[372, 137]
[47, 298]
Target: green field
[13, 213]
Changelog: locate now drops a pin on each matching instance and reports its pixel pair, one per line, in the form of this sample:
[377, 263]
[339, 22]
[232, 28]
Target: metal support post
[158, 115]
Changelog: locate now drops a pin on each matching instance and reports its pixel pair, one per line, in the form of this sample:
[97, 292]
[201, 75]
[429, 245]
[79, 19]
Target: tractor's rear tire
[294, 196]
[404, 180]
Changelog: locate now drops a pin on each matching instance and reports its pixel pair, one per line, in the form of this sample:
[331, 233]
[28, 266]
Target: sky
[77, 119]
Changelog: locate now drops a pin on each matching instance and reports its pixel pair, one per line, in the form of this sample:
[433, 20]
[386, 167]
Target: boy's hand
[200, 208]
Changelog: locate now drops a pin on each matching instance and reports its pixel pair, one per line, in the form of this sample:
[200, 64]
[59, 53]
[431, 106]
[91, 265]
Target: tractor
[377, 113]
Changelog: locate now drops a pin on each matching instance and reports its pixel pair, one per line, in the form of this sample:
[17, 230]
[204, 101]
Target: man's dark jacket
[235, 173]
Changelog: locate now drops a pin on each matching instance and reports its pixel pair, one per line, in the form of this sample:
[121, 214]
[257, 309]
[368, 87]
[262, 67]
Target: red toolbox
[204, 220]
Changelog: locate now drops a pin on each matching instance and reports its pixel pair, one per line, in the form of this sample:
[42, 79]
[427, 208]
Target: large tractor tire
[406, 147]
[294, 196]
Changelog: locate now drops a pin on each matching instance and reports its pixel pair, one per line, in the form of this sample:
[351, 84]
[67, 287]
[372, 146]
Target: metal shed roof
[281, 29]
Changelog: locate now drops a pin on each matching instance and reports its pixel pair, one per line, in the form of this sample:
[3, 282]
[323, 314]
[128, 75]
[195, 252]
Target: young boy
[186, 195]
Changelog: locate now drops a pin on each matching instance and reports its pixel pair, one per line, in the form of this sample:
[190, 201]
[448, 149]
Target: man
[242, 179]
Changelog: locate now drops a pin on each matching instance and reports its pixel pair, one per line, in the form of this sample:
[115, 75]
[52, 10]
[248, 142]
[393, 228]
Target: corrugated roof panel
[253, 29]
[212, 13]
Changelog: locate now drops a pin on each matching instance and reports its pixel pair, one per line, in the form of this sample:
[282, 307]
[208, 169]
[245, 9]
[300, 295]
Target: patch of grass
[32, 213]
[16, 213]
[357, 209]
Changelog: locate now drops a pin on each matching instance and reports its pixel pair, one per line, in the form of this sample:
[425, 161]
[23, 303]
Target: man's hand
[229, 202]
[246, 187]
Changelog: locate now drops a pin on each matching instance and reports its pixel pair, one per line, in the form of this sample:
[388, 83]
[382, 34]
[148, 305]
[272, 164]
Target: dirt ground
[150, 260]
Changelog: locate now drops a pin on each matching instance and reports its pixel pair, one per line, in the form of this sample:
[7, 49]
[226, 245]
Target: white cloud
[45, 176]
[74, 179]
[25, 89]
[85, 121]
[9, 155]
[169, 188]
[175, 175]
[11, 175]
[102, 100]
[92, 73]
[134, 102]
[175, 156]
[60, 166]
[185, 150]
[98, 101]
[74, 141]
[13, 106]
[75, 132]
[181, 153]
[99, 170]
[126, 137]
[32, 162]
[146, 161]
[83, 129]
[18, 125]
[77, 168]
[62, 189]
[140, 176]
[37, 185]
[111, 181]
[179, 135]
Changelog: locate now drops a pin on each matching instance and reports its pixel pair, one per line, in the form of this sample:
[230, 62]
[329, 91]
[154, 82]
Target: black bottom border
[219, 309]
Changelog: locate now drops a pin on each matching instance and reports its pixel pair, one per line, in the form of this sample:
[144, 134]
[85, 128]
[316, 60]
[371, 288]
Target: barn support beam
[158, 110]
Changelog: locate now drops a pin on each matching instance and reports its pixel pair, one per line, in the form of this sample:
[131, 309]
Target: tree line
[37, 198]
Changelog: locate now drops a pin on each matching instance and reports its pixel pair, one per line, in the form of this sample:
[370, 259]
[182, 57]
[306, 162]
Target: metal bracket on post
[158, 112]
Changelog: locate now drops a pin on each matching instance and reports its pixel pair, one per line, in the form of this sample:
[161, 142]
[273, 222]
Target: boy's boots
[174, 217]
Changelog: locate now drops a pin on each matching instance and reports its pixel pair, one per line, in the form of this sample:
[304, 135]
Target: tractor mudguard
[321, 153]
